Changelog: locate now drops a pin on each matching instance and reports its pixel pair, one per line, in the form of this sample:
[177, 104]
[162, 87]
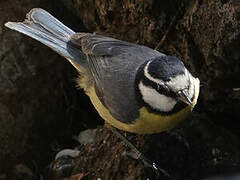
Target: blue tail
[42, 26]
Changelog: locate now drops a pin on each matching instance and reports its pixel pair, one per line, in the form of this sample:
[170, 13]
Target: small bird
[134, 88]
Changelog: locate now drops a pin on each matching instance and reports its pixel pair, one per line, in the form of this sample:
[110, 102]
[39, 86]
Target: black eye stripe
[179, 106]
[158, 88]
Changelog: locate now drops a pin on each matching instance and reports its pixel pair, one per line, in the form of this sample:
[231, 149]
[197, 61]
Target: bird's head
[165, 82]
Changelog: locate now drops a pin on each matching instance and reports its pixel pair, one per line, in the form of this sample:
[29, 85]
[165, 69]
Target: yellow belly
[148, 122]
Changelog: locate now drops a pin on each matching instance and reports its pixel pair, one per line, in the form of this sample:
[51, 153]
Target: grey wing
[113, 65]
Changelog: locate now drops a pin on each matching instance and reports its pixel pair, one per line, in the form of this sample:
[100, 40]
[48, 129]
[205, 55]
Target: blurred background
[41, 110]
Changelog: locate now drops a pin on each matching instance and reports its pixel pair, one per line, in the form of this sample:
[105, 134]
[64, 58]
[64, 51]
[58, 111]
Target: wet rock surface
[41, 110]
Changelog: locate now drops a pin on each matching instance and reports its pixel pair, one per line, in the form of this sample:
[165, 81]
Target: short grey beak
[183, 96]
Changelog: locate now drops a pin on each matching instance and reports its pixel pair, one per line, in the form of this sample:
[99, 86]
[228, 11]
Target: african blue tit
[134, 88]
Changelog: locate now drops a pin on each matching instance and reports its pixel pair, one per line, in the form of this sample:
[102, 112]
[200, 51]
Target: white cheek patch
[155, 100]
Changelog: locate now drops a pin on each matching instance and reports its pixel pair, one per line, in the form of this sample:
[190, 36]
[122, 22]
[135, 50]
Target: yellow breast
[148, 122]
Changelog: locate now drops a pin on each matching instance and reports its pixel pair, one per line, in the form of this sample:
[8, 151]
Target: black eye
[166, 88]
[162, 88]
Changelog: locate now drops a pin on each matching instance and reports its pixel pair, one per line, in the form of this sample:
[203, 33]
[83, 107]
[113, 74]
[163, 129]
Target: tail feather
[43, 27]
[50, 23]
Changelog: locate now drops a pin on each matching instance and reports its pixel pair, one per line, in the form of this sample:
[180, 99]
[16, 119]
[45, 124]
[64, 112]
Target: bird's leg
[138, 155]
